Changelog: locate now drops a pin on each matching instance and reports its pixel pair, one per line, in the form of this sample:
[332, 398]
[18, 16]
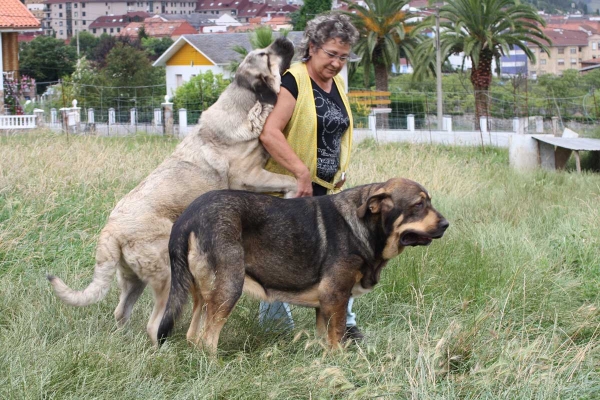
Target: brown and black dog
[314, 252]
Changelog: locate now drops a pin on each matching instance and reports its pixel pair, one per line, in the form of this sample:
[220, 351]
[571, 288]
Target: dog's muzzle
[419, 238]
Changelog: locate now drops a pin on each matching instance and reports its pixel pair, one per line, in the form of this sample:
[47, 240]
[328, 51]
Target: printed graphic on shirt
[332, 122]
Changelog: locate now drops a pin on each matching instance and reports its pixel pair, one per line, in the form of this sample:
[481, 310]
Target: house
[194, 54]
[568, 49]
[65, 18]
[221, 24]
[14, 18]
[158, 28]
[198, 21]
[114, 24]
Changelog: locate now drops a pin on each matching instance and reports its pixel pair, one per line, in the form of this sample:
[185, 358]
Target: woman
[309, 132]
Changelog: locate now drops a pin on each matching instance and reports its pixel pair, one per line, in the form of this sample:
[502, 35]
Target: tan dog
[223, 152]
[314, 252]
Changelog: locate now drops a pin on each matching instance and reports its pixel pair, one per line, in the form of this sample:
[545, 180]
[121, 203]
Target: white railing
[17, 121]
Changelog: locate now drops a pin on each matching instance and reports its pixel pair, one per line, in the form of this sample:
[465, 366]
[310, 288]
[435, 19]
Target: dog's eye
[420, 205]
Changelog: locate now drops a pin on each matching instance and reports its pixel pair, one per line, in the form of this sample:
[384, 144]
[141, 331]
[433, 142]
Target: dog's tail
[181, 280]
[107, 259]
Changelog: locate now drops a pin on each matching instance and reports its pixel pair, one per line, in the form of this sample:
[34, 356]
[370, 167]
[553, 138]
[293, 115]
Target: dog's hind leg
[321, 323]
[131, 289]
[198, 316]
[161, 296]
[227, 290]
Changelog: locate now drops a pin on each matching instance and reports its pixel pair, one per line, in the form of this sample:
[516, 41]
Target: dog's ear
[263, 87]
[379, 202]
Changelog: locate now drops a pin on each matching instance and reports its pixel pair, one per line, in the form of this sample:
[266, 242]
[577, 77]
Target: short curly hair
[331, 25]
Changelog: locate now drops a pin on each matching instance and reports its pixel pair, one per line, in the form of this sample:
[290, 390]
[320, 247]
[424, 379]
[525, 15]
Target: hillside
[563, 6]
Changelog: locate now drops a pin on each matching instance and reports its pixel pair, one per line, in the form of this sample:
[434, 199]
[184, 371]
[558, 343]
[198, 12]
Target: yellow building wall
[186, 55]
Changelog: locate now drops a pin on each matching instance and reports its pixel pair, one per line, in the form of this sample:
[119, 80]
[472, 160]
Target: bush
[199, 93]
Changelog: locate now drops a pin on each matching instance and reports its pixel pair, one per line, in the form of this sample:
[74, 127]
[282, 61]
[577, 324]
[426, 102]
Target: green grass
[506, 305]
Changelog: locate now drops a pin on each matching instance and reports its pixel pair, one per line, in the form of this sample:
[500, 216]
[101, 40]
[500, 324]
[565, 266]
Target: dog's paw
[255, 112]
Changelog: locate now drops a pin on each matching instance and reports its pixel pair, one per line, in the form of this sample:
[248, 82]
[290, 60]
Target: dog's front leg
[263, 181]
[257, 117]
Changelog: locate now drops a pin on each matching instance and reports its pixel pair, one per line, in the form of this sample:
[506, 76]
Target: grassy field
[505, 306]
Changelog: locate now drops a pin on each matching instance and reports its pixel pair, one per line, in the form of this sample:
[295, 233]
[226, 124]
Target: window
[60, 6]
[561, 61]
[594, 45]
[573, 61]
[76, 14]
[112, 30]
[178, 80]
[75, 5]
[84, 22]
[59, 15]
[82, 5]
[543, 62]
[60, 32]
[118, 29]
[561, 50]
[573, 51]
[94, 30]
[83, 14]
[60, 23]
[104, 30]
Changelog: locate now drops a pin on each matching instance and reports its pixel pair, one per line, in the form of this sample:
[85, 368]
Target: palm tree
[260, 38]
[483, 30]
[385, 35]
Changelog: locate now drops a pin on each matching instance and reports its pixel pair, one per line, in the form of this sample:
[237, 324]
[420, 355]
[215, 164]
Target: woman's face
[325, 59]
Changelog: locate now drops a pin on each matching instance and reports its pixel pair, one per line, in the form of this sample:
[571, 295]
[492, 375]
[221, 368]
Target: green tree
[46, 59]
[199, 93]
[129, 66]
[87, 43]
[155, 47]
[309, 10]
[385, 36]
[482, 31]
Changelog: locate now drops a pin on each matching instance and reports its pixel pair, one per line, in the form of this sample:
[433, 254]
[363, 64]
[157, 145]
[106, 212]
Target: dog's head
[261, 69]
[405, 214]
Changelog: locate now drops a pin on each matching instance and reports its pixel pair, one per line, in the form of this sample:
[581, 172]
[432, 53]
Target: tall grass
[504, 306]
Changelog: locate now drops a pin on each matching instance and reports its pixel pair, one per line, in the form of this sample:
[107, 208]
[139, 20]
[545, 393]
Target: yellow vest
[301, 130]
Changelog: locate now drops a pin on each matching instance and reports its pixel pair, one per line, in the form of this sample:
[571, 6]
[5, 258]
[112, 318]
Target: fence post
[539, 124]
[76, 112]
[53, 116]
[168, 109]
[483, 126]
[182, 122]
[111, 116]
[516, 124]
[523, 125]
[555, 126]
[133, 116]
[157, 117]
[64, 118]
[39, 117]
[91, 120]
[410, 122]
[447, 123]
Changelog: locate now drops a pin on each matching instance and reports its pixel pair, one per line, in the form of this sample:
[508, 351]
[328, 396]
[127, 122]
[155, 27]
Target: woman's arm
[275, 143]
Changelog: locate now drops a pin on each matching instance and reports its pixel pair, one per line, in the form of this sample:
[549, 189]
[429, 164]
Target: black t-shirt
[332, 122]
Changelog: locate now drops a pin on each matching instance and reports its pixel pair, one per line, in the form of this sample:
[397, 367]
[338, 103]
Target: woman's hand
[304, 184]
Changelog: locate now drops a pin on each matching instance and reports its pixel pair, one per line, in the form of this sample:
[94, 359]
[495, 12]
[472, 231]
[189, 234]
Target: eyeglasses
[334, 56]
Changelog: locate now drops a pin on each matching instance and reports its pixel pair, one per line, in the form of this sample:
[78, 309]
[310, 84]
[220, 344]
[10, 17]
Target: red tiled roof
[563, 37]
[154, 28]
[16, 16]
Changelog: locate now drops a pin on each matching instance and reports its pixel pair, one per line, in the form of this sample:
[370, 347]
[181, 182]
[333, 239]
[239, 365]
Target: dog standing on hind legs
[313, 251]
[222, 152]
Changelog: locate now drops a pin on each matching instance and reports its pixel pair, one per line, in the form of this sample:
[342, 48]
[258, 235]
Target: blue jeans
[280, 312]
